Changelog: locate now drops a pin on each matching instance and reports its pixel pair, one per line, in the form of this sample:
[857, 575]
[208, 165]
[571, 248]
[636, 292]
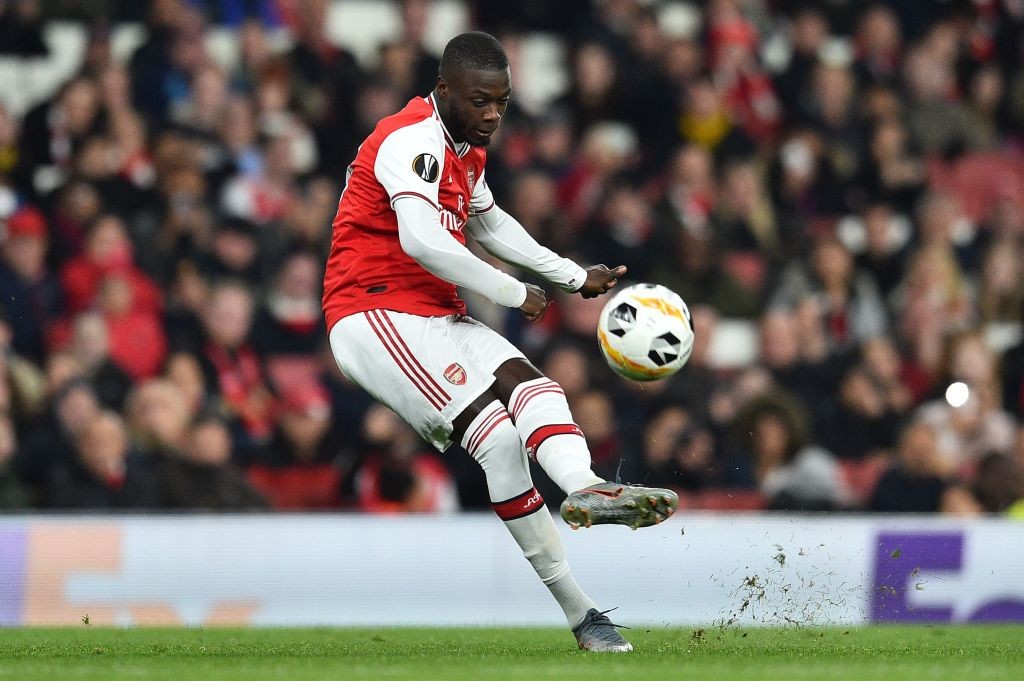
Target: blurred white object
[679, 20]
[734, 344]
[957, 394]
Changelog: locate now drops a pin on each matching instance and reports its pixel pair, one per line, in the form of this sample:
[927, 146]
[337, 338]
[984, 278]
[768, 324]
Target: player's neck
[442, 111]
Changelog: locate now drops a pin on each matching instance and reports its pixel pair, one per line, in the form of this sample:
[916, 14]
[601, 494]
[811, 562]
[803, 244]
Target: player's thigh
[486, 347]
[492, 350]
[413, 365]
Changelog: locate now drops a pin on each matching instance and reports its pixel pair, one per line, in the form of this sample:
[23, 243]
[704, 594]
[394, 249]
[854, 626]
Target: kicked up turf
[869, 653]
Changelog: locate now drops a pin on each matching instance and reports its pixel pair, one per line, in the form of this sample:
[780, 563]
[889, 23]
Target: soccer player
[398, 328]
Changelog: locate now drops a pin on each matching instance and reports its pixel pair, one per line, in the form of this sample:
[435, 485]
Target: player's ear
[442, 87]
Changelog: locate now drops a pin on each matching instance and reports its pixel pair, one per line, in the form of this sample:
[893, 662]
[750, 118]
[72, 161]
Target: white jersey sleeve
[502, 236]
[410, 160]
[432, 246]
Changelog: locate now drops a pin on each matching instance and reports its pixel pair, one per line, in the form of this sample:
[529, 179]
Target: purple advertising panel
[13, 544]
[900, 560]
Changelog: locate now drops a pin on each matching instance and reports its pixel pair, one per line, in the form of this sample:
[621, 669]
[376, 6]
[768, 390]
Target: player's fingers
[619, 271]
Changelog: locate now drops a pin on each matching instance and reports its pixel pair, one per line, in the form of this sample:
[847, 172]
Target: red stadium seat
[862, 476]
[728, 500]
[978, 180]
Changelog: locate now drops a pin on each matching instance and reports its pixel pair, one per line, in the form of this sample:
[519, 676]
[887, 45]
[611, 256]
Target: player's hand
[536, 303]
[600, 280]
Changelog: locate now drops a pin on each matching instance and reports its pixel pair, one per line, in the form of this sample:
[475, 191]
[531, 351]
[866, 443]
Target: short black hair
[473, 51]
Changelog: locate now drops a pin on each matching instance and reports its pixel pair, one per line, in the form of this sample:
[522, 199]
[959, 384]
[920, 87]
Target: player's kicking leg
[486, 432]
[542, 418]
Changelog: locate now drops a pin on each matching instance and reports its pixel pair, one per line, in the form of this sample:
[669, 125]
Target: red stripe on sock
[538, 436]
[526, 503]
[525, 388]
[481, 423]
[485, 428]
[535, 393]
[525, 394]
[503, 417]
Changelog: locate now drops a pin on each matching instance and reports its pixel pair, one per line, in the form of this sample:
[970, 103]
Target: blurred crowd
[846, 177]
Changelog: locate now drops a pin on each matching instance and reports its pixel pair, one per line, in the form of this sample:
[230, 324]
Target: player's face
[476, 101]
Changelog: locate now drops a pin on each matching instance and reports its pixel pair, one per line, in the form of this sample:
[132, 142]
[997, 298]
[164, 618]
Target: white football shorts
[426, 369]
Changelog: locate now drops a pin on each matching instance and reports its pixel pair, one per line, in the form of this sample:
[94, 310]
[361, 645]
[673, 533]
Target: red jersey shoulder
[415, 111]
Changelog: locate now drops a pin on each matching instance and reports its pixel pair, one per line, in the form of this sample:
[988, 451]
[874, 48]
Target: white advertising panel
[465, 570]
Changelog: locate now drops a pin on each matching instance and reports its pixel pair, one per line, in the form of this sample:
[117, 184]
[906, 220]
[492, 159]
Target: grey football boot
[613, 503]
[598, 634]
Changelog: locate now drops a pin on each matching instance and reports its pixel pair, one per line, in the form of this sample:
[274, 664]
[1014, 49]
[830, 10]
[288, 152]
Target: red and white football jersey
[409, 154]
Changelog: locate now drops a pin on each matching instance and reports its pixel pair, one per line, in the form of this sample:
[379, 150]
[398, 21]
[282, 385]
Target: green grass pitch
[889, 653]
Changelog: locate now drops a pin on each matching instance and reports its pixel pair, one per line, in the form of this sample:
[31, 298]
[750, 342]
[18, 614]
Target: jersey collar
[460, 149]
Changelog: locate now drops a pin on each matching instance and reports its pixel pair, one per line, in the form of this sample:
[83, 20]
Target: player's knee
[513, 374]
[497, 446]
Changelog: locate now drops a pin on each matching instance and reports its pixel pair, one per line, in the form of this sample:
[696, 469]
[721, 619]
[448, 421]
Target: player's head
[473, 87]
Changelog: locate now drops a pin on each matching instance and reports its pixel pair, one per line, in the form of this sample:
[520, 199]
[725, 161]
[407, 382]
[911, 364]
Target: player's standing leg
[486, 432]
[542, 418]
[492, 440]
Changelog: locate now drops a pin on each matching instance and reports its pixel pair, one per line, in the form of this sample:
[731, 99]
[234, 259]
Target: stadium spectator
[399, 474]
[51, 442]
[878, 45]
[231, 365]
[916, 483]
[13, 493]
[998, 483]
[884, 252]
[234, 253]
[1001, 291]
[22, 384]
[852, 308]
[569, 365]
[968, 431]
[158, 417]
[290, 322]
[186, 373]
[104, 475]
[595, 413]
[301, 468]
[52, 132]
[107, 251]
[10, 132]
[90, 346]
[862, 425]
[776, 457]
[29, 293]
[806, 372]
[676, 452]
[200, 475]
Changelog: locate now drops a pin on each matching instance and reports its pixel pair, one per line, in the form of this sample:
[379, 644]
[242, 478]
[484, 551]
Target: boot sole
[634, 507]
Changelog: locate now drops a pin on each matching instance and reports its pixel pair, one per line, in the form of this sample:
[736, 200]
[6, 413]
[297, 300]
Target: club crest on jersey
[455, 374]
[427, 167]
[471, 180]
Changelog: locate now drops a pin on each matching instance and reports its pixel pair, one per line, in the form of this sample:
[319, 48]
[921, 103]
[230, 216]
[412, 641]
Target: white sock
[494, 443]
[545, 424]
[537, 536]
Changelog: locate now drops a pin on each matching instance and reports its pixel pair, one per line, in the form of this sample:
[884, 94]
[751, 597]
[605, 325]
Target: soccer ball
[645, 332]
